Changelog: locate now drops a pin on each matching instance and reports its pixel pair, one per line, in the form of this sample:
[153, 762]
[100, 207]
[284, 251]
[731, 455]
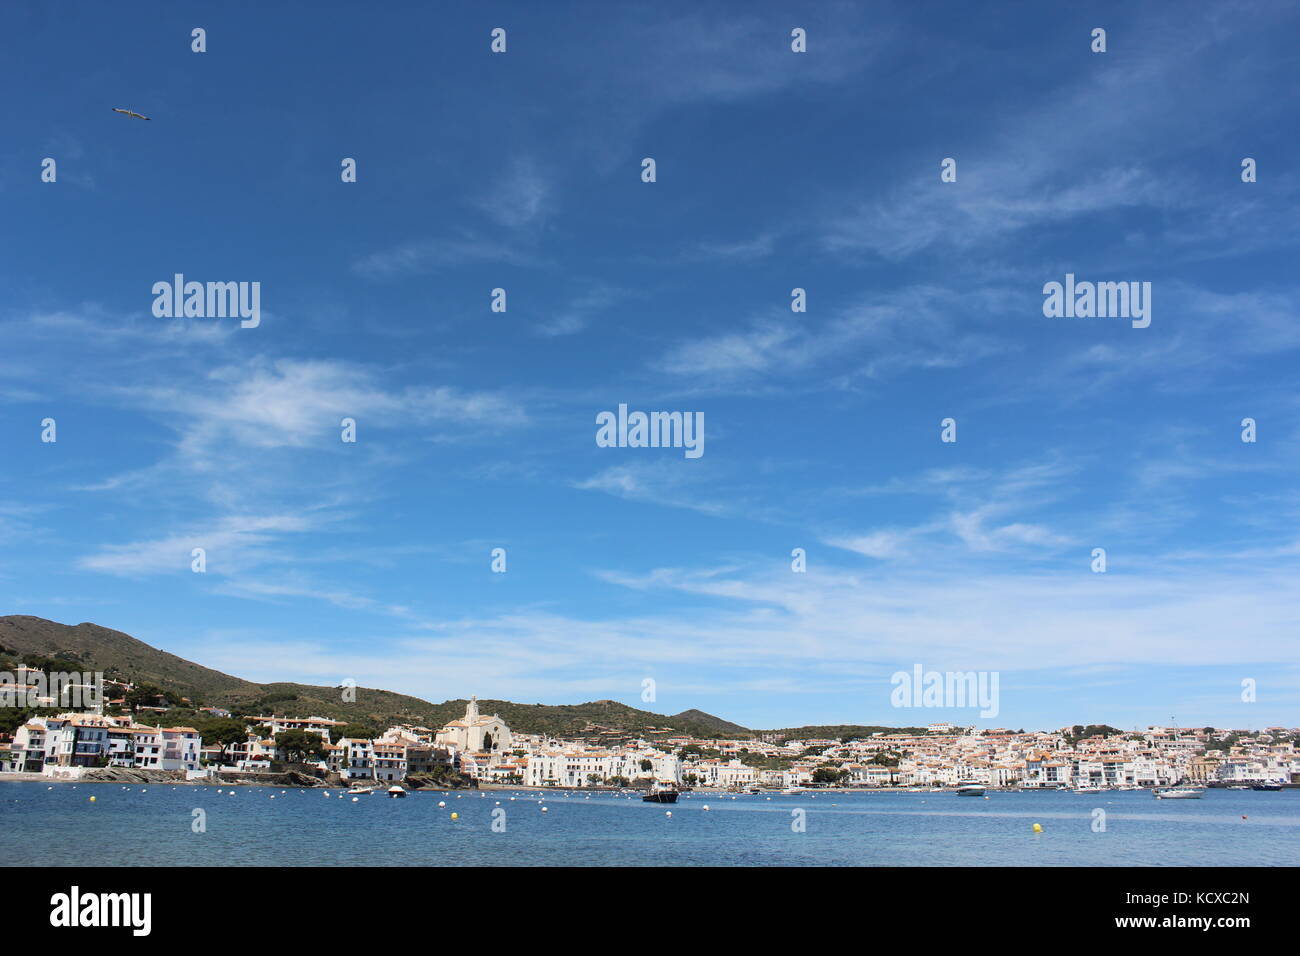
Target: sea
[162, 825]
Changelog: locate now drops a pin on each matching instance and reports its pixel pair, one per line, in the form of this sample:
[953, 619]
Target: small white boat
[396, 792]
[1178, 793]
[356, 790]
[970, 790]
[792, 790]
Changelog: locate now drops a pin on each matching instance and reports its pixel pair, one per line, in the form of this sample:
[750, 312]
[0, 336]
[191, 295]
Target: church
[474, 733]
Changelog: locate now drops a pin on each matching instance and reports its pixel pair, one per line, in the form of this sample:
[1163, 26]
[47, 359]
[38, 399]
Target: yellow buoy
[92, 799]
[455, 816]
[1038, 828]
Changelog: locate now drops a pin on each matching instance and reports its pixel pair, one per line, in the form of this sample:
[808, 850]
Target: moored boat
[1178, 793]
[970, 790]
[1266, 786]
[396, 791]
[660, 795]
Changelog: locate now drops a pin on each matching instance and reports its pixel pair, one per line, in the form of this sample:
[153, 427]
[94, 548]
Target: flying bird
[129, 113]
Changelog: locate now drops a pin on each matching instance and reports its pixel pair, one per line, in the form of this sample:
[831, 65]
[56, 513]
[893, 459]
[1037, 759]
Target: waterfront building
[354, 759]
[475, 733]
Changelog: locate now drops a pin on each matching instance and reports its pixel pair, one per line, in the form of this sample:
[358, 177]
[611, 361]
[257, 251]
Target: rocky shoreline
[127, 775]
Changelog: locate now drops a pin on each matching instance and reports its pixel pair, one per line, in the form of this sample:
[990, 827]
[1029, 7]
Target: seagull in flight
[129, 113]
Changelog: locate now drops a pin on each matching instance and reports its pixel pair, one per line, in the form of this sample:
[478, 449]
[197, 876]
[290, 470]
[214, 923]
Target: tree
[647, 764]
[299, 745]
[355, 731]
[225, 732]
[829, 775]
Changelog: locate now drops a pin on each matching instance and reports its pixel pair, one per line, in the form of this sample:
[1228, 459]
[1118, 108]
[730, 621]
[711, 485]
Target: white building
[355, 759]
[475, 733]
[180, 748]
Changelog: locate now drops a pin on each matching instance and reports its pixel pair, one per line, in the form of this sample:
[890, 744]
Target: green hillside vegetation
[118, 655]
[839, 732]
[38, 642]
[51, 646]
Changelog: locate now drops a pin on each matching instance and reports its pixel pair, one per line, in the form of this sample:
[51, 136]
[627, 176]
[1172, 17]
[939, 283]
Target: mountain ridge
[89, 646]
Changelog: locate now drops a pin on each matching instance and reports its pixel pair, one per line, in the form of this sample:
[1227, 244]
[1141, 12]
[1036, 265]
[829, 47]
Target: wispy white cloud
[579, 312]
[873, 337]
[520, 197]
[430, 255]
[674, 484]
[233, 543]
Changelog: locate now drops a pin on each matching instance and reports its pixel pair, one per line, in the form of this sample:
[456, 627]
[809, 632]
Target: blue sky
[775, 170]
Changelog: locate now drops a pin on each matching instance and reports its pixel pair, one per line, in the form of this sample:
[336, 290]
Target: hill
[116, 654]
[839, 731]
[717, 726]
[91, 647]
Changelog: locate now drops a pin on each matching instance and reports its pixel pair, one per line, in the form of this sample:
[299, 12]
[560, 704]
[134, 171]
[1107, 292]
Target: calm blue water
[59, 827]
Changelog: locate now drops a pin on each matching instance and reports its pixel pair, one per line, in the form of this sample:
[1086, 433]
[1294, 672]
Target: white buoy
[355, 799]
[670, 813]
[544, 810]
[706, 806]
[442, 803]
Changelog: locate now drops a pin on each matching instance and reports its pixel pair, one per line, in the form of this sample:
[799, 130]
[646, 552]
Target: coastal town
[481, 750]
